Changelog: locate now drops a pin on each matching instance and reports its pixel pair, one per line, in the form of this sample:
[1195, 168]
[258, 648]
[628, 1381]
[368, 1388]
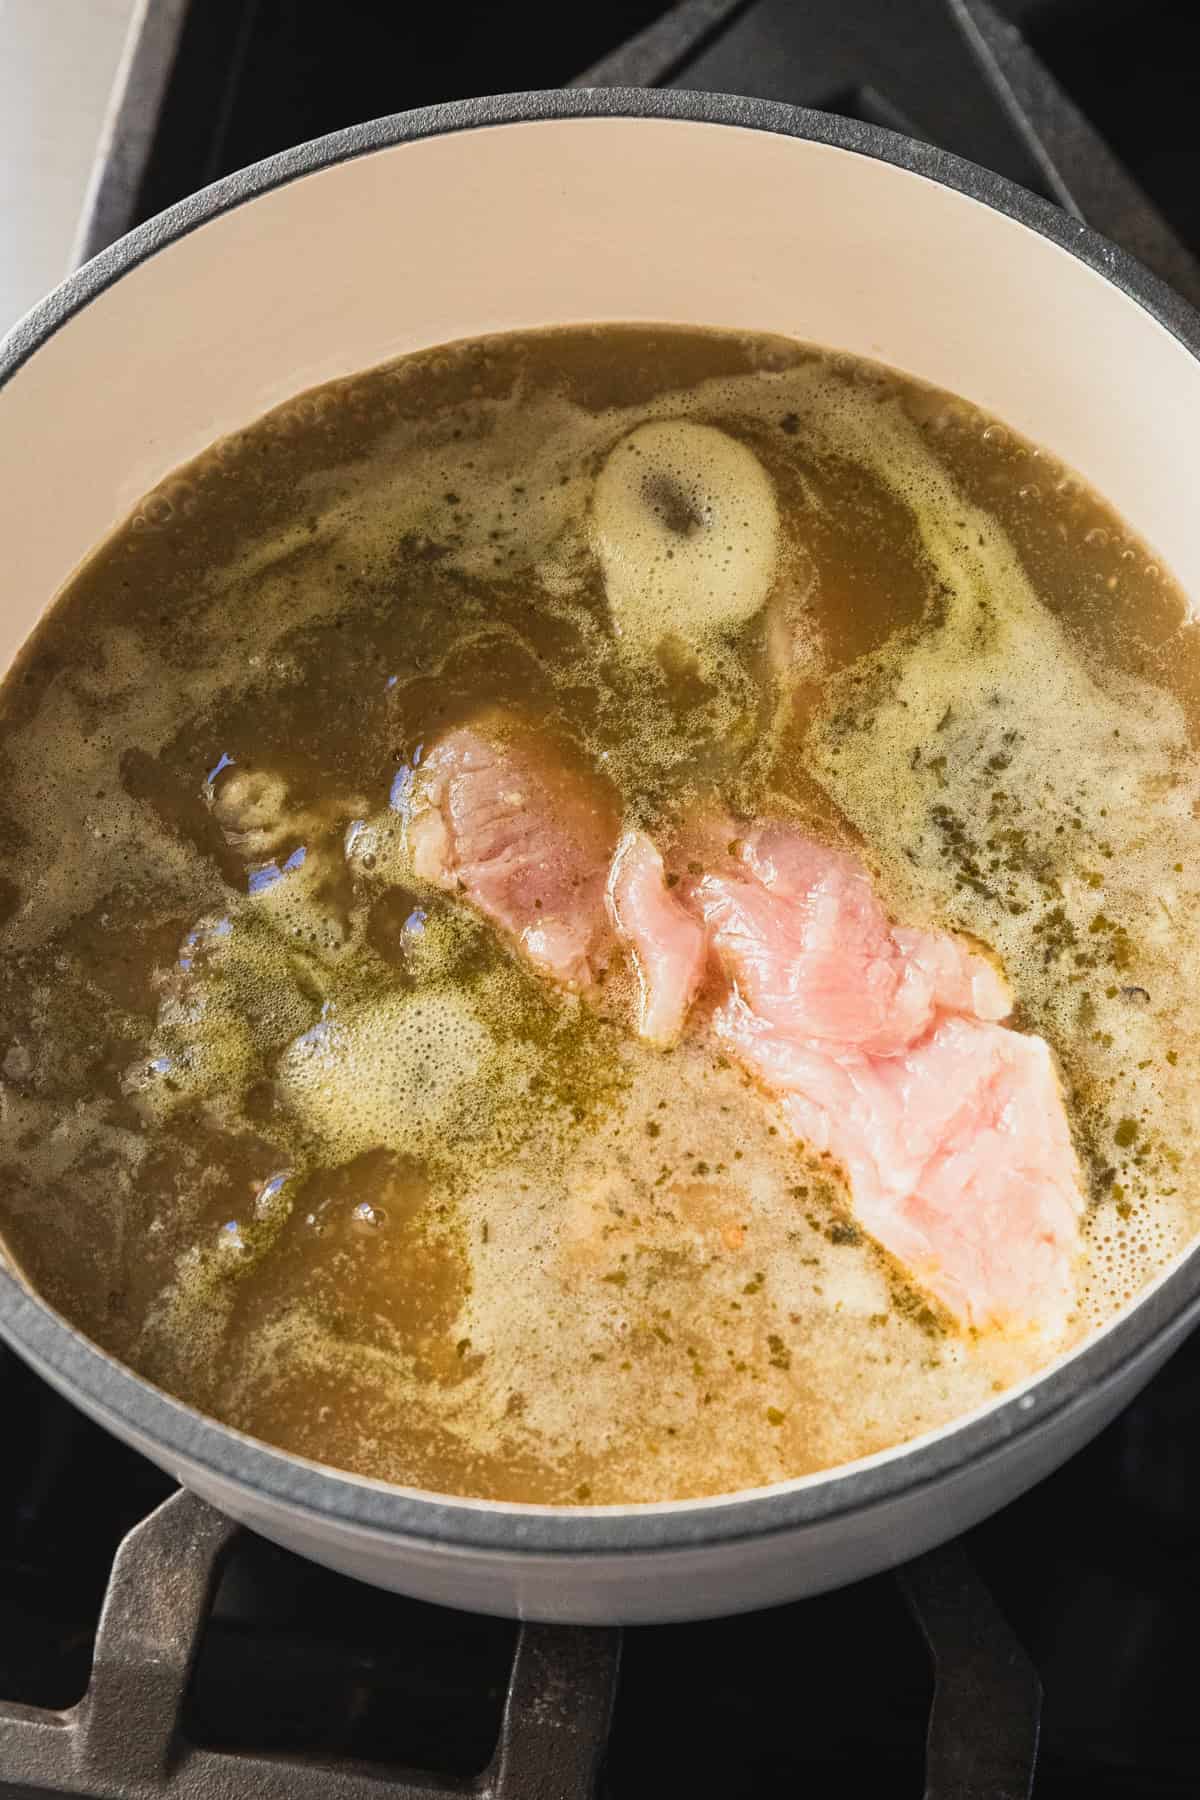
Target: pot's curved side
[700, 1581]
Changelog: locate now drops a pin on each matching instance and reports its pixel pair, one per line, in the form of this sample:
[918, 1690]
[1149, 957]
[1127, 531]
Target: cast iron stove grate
[147, 1647]
[288, 1680]
[176, 1704]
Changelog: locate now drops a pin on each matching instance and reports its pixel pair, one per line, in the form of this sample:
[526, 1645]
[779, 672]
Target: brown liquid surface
[503, 1249]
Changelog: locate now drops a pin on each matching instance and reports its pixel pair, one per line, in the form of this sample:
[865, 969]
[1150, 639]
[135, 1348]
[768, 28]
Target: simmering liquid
[305, 1140]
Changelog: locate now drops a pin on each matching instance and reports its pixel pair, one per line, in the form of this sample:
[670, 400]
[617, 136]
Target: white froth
[686, 527]
[388, 1073]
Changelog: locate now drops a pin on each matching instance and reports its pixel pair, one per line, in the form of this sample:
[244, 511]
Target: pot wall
[656, 1587]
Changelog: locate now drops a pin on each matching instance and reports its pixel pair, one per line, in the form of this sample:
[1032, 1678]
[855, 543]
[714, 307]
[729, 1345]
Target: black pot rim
[184, 1436]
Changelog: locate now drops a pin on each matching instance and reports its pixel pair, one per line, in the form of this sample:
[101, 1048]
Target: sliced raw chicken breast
[667, 943]
[808, 946]
[956, 1152]
[883, 1047]
[880, 1042]
[526, 834]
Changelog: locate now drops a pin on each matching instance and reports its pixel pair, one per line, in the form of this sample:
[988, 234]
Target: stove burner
[127, 1735]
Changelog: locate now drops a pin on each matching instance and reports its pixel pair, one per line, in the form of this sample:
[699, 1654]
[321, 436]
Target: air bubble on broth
[593, 1272]
[685, 524]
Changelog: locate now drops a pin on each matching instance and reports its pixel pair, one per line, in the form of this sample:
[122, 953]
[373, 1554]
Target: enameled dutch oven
[556, 208]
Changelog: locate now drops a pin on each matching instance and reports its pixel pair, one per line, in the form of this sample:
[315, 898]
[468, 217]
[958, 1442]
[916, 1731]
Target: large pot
[559, 208]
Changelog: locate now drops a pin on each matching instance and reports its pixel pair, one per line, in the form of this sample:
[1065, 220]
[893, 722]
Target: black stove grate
[124, 1738]
[132, 1733]
[148, 1648]
[284, 1667]
[956, 72]
[216, 85]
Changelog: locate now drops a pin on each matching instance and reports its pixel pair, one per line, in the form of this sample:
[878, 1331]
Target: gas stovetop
[149, 1648]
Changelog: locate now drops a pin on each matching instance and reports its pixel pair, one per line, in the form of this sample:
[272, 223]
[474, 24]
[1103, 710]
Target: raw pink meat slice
[525, 834]
[880, 1042]
[809, 948]
[957, 1155]
[962, 980]
[667, 943]
[883, 1047]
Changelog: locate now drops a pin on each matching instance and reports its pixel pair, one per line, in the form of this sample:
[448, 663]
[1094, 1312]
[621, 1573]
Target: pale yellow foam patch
[248, 990]
[618, 1278]
[686, 527]
[385, 1074]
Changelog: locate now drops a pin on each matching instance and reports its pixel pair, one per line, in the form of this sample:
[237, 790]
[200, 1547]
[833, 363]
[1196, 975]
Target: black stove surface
[226, 1668]
[1087, 1585]
[254, 76]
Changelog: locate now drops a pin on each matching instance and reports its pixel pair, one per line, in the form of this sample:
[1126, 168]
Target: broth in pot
[602, 915]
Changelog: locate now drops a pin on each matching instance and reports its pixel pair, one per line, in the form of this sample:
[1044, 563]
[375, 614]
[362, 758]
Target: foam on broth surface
[305, 1143]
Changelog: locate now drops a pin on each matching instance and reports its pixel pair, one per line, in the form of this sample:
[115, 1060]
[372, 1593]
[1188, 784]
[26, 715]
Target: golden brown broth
[509, 1251]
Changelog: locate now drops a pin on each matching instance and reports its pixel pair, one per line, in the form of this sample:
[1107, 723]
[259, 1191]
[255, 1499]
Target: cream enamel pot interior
[549, 209]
